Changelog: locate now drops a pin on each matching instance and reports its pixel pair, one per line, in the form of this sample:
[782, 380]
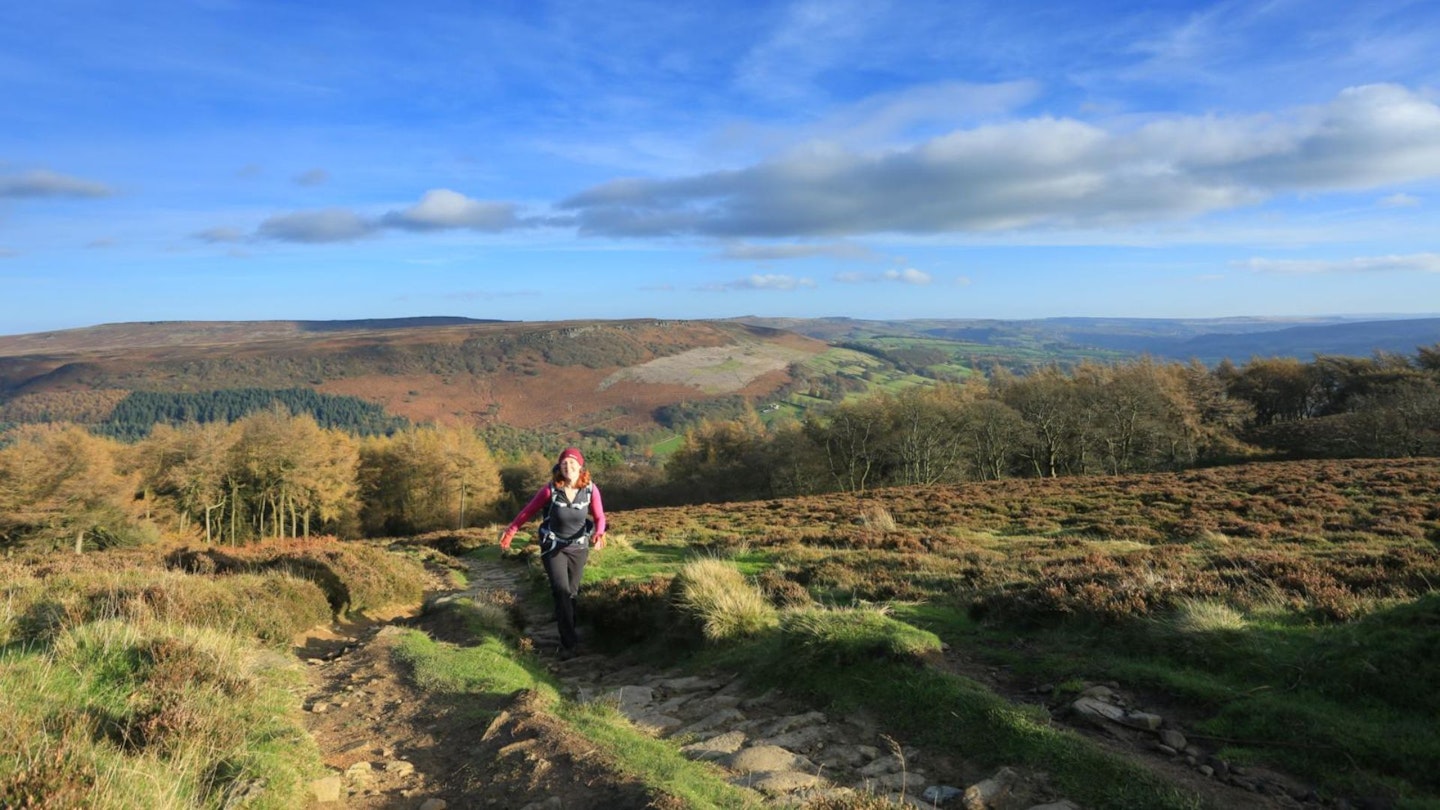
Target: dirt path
[390, 745]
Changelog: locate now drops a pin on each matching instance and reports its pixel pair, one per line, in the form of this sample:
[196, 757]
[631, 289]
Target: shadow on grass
[1352, 707]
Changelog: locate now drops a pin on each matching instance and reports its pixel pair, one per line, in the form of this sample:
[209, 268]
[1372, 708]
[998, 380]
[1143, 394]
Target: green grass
[666, 448]
[630, 559]
[623, 560]
[1348, 706]
[153, 715]
[852, 659]
[657, 763]
[489, 667]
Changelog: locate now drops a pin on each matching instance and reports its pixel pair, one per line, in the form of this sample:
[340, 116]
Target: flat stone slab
[779, 784]
[768, 759]
[716, 747]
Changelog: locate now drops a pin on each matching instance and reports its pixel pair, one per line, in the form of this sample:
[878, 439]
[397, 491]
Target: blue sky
[242, 160]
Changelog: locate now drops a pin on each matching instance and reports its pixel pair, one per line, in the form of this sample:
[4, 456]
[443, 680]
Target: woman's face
[570, 468]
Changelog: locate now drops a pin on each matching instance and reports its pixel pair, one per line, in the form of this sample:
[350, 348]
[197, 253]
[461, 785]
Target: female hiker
[572, 520]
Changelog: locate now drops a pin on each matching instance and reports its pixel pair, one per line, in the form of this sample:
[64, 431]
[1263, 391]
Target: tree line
[1134, 416]
[268, 474]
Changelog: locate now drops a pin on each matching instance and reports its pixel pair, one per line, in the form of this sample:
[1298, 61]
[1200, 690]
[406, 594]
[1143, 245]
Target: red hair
[582, 481]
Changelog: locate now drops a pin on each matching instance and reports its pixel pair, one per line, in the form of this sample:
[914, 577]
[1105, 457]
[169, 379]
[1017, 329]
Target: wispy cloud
[1040, 173]
[313, 177]
[763, 253]
[43, 183]
[761, 282]
[1413, 263]
[1399, 201]
[316, 227]
[217, 236]
[908, 275]
[811, 37]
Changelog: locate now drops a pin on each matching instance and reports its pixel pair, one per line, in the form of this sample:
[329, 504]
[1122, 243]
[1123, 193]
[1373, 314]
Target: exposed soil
[391, 745]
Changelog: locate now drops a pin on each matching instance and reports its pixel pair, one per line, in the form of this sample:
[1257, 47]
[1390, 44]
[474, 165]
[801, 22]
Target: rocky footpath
[390, 745]
[786, 754]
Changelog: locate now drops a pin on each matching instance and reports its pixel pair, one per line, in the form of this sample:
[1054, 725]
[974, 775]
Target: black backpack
[549, 541]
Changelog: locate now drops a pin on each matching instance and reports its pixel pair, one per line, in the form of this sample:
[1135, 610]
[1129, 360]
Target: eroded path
[390, 745]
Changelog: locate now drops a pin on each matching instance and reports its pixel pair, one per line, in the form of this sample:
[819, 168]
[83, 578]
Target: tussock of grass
[839, 636]
[877, 517]
[1205, 616]
[724, 603]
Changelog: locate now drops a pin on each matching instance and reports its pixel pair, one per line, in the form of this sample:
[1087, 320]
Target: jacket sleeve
[532, 508]
[597, 510]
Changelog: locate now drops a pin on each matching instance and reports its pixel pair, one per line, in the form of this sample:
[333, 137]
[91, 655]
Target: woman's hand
[599, 541]
[506, 537]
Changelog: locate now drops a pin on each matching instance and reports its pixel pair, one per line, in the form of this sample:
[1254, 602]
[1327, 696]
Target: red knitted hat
[570, 452]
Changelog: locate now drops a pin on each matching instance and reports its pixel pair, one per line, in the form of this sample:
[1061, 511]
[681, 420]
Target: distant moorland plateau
[615, 376]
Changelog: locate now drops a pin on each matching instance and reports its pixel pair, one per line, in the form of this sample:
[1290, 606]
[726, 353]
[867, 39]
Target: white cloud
[762, 282]
[42, 183]
[314, 227]
[438, 209]
[1399, 201]
[441, 209]
[1413, 263]
[909, 276]
[1040, 173]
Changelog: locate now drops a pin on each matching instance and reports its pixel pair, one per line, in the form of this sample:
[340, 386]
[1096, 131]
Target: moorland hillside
[599, 375]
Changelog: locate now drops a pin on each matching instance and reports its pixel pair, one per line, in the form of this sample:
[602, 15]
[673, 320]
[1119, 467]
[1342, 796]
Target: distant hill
[1209, 340]
[148, 334]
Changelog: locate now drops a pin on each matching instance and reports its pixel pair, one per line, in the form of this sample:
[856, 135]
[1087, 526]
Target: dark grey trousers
[564, 566]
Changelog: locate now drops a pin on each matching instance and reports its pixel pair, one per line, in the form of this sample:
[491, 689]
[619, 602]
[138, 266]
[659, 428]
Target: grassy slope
[1290, 605]
[155, 678]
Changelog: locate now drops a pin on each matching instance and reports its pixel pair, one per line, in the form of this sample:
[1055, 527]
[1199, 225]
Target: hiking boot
[566, 653]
